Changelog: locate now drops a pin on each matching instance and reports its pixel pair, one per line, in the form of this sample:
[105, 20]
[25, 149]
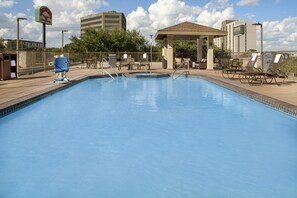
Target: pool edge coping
[16, 104]
[21, 102]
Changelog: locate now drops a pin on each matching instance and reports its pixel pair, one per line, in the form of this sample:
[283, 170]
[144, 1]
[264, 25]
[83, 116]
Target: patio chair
[179, 63]
[144, 62]
[225, 62]
[128, 61]
[217, 64]
[202, 64]
[61, 67]
[91, 63]
[188, 62]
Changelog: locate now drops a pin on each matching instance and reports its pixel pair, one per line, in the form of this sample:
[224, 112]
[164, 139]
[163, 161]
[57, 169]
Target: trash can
[8, 68]
[112, 60]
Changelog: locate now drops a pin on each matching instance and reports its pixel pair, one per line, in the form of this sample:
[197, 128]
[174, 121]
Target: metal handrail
[186, 72]
[104, 71]
[108, 74]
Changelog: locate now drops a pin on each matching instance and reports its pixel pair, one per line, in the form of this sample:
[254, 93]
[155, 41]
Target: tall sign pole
[44, 45]
[17, 45]
[43, 15]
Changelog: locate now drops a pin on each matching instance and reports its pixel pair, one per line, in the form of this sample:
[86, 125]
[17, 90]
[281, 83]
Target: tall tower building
[110, 20]
[241, 36]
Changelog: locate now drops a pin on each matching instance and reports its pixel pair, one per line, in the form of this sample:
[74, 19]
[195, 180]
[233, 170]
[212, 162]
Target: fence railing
[35, 61]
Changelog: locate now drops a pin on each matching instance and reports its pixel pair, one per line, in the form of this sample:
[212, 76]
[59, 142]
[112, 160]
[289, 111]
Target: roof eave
[164, 34]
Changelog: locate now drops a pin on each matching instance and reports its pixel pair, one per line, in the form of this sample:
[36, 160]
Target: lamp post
[238, 45]
[17, 42]
[63, 40]
[151, 50]
[261, 41]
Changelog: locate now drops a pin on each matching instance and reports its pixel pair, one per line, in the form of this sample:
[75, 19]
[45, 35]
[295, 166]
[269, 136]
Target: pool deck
[17, 93]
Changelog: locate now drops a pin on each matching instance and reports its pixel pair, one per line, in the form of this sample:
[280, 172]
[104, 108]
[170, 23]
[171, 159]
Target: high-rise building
[241, 36]
[105, 20]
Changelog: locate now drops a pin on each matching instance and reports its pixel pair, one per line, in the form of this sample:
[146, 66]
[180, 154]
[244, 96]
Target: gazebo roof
[189, 31]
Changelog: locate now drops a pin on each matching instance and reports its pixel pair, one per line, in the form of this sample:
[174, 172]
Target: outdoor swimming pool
[148, 138]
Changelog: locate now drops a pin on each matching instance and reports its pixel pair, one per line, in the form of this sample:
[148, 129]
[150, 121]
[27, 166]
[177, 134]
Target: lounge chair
[250, 68]
[272, 74]
[202, 64]
[232, 69]
[61, 67]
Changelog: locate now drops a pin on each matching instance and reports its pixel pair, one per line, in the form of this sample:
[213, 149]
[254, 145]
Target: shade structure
[188, 31]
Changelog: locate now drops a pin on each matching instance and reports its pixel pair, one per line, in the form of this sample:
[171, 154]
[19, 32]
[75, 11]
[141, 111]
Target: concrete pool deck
[17, 93]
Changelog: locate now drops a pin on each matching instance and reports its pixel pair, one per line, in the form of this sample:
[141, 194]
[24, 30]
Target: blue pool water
[148, 138]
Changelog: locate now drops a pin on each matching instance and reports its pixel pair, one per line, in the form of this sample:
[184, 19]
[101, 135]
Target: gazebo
[188, 31]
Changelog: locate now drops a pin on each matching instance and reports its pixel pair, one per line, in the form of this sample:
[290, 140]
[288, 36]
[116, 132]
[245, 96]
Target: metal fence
[35, 61]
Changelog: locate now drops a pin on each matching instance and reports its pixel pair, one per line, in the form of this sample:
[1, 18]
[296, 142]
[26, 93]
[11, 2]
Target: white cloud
[8, 25]
[250, 16]
[164, 13]
[214, 17]
[66, 15]
[214, 12]
[4, 31]
[7, 3]
[280, 35]
[248, 2]
[140, 20]
[161, 14]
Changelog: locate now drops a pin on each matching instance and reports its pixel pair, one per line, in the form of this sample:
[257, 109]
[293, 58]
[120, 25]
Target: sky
[279, 17]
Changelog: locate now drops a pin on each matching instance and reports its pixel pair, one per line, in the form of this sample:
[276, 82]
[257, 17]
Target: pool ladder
[186, 73]
[106, 72]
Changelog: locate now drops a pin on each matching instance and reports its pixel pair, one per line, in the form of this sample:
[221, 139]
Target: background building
[241, 36]
[23, 44]
[106, 20]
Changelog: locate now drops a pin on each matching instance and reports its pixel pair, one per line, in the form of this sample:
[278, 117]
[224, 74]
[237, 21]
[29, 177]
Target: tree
[186, 49]
[108, 41]
[2, 46]
[221, 53]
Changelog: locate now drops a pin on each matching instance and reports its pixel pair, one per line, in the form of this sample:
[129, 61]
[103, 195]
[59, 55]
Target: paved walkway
[19, 91]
